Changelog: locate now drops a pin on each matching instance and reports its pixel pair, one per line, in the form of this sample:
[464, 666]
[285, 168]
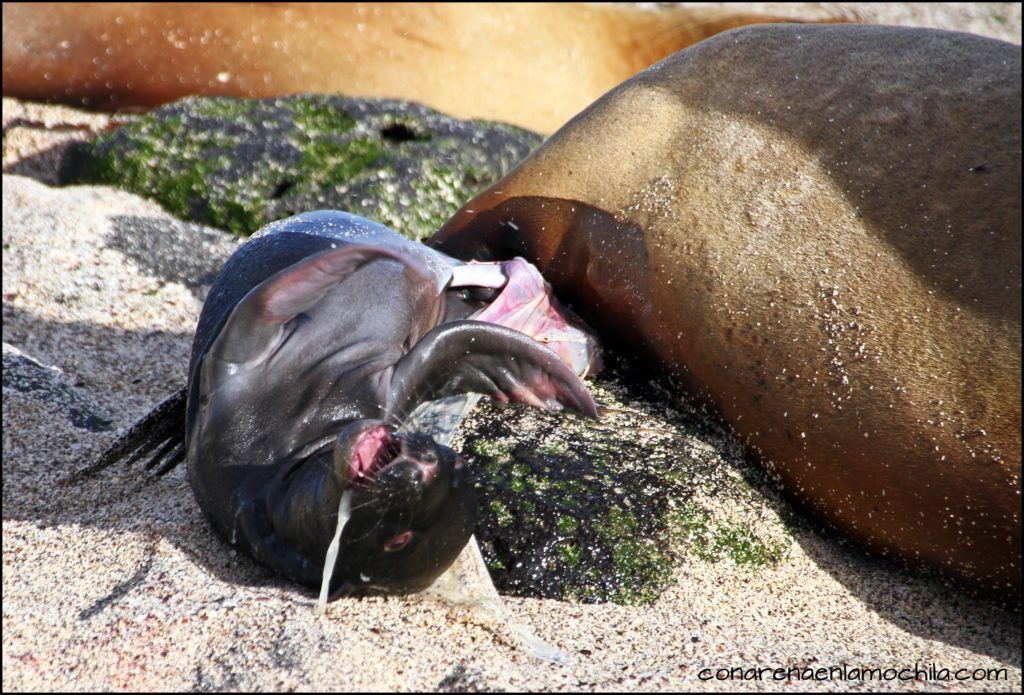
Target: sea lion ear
[257, 320]
[478, 357]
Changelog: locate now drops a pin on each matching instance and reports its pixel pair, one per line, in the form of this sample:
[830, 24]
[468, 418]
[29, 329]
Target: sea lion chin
[818, 230]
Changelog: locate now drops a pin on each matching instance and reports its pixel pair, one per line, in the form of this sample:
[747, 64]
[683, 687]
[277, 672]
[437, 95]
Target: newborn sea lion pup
[319, 336]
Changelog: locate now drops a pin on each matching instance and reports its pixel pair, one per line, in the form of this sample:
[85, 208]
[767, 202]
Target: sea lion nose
[424, 459]
[427, 469]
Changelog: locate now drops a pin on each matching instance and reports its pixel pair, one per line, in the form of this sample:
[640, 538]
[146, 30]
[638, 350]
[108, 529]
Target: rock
[175, 251]
[238, 164]
[37, 137]
[90, 286]
[25, 377]
[595, 511]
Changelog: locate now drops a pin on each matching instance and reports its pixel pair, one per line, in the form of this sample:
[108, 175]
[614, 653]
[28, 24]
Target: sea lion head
[412, 509]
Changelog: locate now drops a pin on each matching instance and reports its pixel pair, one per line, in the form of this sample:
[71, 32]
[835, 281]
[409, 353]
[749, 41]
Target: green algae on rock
[712, 540]
[238, 164]
[604, 510]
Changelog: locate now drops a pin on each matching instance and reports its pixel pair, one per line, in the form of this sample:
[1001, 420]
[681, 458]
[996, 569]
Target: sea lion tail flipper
[477, 357]
[162, 427]
[257, 320]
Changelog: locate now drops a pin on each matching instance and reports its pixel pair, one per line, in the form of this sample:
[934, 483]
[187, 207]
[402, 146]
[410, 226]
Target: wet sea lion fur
[818, 230]
[529, 64]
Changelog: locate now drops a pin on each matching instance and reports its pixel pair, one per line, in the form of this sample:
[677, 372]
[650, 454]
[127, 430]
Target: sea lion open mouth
[375, 448]
[399, 486]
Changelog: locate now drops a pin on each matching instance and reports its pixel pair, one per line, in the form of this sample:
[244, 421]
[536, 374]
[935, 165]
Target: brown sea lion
[819, 230]
[533, 65]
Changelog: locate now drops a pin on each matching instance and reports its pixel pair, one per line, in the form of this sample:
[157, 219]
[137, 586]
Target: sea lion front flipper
[477, 357]
[163, 427]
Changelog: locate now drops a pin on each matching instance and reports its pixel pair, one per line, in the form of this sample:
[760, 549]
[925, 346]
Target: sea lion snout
[413, 510]
[408, 524]
[413, 461]
[396, 468]
[364, 447]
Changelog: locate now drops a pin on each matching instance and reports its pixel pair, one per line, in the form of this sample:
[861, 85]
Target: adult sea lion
[318, 337]
[531, 64]
[819, 230]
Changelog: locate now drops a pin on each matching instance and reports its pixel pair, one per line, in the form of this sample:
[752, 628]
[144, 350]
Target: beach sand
[118, 582]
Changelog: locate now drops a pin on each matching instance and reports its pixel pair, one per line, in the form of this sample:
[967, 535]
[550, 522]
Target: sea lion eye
[398, 542]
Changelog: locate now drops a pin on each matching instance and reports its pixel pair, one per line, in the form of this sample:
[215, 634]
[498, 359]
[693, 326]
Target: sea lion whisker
[366, 504]
[394, 420]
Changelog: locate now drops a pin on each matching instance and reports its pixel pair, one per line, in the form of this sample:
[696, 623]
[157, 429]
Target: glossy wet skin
[316, 341]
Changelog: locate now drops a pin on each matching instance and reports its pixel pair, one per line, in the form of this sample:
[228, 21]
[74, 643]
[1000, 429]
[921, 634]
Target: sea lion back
[822, 231]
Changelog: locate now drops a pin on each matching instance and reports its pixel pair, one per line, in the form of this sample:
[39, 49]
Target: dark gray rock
[49, 386]
[603, 510]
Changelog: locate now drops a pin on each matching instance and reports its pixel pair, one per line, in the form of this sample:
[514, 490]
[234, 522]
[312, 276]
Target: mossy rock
[238, 164]
[599, 511]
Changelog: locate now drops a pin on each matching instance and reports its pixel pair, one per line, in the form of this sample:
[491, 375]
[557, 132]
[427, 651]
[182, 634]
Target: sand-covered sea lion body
[320, 335]
[530, 64]
[819, 230]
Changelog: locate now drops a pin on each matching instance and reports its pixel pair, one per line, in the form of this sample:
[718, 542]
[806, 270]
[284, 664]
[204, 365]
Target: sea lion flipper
[258, 318]
[473, 356]
[162, 427]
